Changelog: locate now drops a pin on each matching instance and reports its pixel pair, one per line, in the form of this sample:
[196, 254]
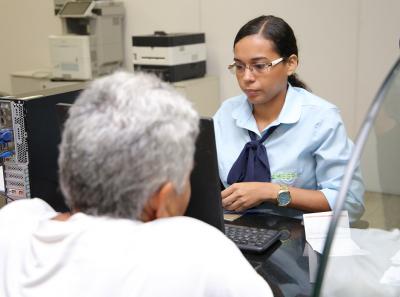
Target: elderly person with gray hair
[125, 160]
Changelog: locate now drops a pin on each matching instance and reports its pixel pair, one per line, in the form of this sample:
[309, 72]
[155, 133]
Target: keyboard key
[250, 238]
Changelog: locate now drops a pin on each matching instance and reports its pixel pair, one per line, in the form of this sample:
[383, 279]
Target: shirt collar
[243, 115]
[291, 109]
[290, 113]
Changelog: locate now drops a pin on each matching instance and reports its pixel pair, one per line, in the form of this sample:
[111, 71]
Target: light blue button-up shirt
[309, 150]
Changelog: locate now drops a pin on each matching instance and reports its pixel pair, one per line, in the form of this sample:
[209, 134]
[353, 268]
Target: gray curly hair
[126, 135]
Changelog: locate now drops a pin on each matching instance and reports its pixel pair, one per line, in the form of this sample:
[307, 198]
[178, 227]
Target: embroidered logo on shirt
[287, 177]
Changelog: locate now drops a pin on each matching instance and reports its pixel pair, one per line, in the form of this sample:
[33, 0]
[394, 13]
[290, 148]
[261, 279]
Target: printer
[173, 57]
[91, 43]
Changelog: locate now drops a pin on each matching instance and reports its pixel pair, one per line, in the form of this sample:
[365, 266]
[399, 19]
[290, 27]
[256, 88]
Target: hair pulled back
[280, 33]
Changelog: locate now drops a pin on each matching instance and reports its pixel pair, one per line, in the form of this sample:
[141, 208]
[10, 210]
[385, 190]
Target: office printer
[91, 43]
[172, 57]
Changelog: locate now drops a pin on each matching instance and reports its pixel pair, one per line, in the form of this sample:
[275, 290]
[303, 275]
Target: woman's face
[260, 87]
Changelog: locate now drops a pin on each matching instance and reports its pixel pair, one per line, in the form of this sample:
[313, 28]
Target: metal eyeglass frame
[232, 67]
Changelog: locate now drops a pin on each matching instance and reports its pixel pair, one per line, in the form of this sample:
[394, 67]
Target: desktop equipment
[30, 137]
[205, 202]
[91, 43]
[172, 57]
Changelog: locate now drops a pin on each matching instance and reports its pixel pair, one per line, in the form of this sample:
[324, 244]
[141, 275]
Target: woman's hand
[241, 196]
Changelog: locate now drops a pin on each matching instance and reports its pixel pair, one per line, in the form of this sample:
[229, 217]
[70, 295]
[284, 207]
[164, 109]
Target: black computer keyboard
[250, 238]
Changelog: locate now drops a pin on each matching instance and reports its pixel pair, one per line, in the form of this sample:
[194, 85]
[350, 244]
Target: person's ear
[159, 204]
[292, 63]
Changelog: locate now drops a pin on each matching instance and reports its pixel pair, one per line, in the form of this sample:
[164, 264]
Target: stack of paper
[316, 227]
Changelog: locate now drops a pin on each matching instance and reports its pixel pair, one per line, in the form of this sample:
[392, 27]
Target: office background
[346, 47]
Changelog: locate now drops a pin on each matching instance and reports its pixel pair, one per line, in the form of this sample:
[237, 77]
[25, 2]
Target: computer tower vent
[20, 135]
[31, 170]
[16, 178]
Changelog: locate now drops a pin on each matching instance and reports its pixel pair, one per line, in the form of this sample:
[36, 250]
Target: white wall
[378, 49]
[24, 27]
[321, 34]
[346, 47]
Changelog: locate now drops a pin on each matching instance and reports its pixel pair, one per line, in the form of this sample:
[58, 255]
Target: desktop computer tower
[29, 139]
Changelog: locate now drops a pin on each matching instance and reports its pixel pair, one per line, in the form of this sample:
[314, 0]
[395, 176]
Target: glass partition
[374, 270]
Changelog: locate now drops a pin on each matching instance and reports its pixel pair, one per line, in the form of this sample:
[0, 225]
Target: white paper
[316, 228]
[391, 276]
[396, 258]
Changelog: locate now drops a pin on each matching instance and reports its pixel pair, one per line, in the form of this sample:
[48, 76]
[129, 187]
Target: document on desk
[316, 228]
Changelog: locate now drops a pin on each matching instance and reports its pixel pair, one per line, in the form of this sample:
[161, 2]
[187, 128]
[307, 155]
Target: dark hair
[280, 33]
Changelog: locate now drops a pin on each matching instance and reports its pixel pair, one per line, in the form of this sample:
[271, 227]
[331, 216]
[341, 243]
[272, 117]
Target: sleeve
[332, 154]
[18, 219]
[22, 214]
[209, 264]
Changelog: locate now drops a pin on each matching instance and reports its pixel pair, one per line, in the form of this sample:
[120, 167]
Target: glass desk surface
[284, 265]
[377, 150]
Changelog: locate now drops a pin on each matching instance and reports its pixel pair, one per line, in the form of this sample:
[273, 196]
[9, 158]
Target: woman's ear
[292, 63]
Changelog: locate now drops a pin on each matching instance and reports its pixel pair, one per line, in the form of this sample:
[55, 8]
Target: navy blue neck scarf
[252, 164]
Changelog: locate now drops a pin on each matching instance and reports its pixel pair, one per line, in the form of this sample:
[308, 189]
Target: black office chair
[378, 149]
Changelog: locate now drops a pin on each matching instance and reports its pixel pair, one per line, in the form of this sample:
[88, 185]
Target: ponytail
[296, 82]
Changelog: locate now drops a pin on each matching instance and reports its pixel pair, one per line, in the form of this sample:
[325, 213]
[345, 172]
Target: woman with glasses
[277, 142]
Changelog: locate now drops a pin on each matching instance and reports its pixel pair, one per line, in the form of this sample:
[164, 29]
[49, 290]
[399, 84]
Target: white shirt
[100, 256]
[309, 150]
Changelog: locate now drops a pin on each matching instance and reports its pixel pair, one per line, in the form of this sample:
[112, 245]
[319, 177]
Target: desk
[361, 275]
[287, 270]
[283, 266]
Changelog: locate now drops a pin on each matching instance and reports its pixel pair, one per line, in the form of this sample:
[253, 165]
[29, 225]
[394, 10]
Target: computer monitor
[205, 202]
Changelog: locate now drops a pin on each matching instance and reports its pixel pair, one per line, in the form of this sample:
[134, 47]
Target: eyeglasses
[256, 68]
